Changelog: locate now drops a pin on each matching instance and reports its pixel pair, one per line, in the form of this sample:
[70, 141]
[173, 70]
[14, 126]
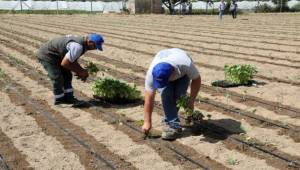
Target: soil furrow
[165, 149]
[92, 154]
[271, 105]
[273, 160]
[217, 68]
[228, 53]
[10, 156]
[292, 131]
[170, 26]
[243, 98]
[32, 140]
[202, 33]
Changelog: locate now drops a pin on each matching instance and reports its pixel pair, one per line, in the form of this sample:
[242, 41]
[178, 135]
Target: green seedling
[112, 90]
[239, 74]
[1, 73]
[231, 161]
[182, 103]
[92, 68]
[139, 122]
[151, 135]
[227, 95]
[244, 95]
[242, 128]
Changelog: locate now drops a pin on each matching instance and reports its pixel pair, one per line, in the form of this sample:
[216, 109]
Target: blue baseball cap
[161, 73]
[97, 39]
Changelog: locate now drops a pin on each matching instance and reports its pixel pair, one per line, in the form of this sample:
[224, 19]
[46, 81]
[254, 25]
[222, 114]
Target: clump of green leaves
[139, 122]
[190, 115]
[115, 90]
[1, 73]
[92, 68]
[231, 161]
[239, 74]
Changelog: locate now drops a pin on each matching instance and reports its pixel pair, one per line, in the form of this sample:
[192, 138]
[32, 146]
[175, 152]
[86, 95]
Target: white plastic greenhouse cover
[108, 6]
[62, 5]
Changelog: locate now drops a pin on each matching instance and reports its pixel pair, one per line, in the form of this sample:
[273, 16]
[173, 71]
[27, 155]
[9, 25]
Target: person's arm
[70, 60]
[75, 67]
[195, 87]
[148, 109]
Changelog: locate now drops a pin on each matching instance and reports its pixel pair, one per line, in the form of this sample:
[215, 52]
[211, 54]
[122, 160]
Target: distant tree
[281, 5]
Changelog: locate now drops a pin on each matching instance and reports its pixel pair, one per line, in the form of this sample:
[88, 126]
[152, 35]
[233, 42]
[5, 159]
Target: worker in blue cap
[170, 74]
[59, 57]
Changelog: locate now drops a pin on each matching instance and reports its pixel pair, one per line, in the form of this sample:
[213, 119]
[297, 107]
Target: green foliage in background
[111, 89]
[295, 8]
[239, 74]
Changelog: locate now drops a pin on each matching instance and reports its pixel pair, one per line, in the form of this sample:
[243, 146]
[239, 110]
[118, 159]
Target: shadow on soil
[227, 84]
[213, 130]
[108, 104]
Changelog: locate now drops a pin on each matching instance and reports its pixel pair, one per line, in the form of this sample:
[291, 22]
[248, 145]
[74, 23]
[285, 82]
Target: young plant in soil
[239, 74]
[115, 91]
[92, 68]
[190, 115]
[1, 73]
[139, 122]
[231, 161]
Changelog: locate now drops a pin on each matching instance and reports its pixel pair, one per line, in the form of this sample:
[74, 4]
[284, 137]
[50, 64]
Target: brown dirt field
[264, 116]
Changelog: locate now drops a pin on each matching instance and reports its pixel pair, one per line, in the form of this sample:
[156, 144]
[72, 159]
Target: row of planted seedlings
[118, 92]
[235, 75]
[241, 71]
[165, 150]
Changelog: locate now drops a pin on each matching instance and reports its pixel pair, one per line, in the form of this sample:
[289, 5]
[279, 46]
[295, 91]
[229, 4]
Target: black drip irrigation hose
[281, 107]
[258, 101]
[290, 162]
[152, 140]
[249, 144]
[252, 117]
[50, 119]
[3, 165]
[82, 143]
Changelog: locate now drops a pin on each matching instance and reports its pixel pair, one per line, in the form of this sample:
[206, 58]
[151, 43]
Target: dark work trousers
[233, 13]
[61, 79]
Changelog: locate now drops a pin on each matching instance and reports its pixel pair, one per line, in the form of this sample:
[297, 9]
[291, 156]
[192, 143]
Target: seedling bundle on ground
[237, 75]
[190, 115]
[115, 91]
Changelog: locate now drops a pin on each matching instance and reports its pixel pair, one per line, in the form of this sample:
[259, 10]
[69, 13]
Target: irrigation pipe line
[49, 118]
[251, 98]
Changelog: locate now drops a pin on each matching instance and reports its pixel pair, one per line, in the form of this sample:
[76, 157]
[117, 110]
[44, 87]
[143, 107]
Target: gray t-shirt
[179, 59]
[74, 51]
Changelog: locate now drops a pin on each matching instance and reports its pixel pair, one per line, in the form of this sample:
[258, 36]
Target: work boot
[170, 133]
[59, 101]
[67, 100]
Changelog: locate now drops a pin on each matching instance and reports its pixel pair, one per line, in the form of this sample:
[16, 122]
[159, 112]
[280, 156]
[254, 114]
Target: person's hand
[146, 127]
[191, 104]
[83, 75]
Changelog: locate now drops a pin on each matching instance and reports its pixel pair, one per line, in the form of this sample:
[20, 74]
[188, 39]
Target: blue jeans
[169, 96]
[221, 13]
